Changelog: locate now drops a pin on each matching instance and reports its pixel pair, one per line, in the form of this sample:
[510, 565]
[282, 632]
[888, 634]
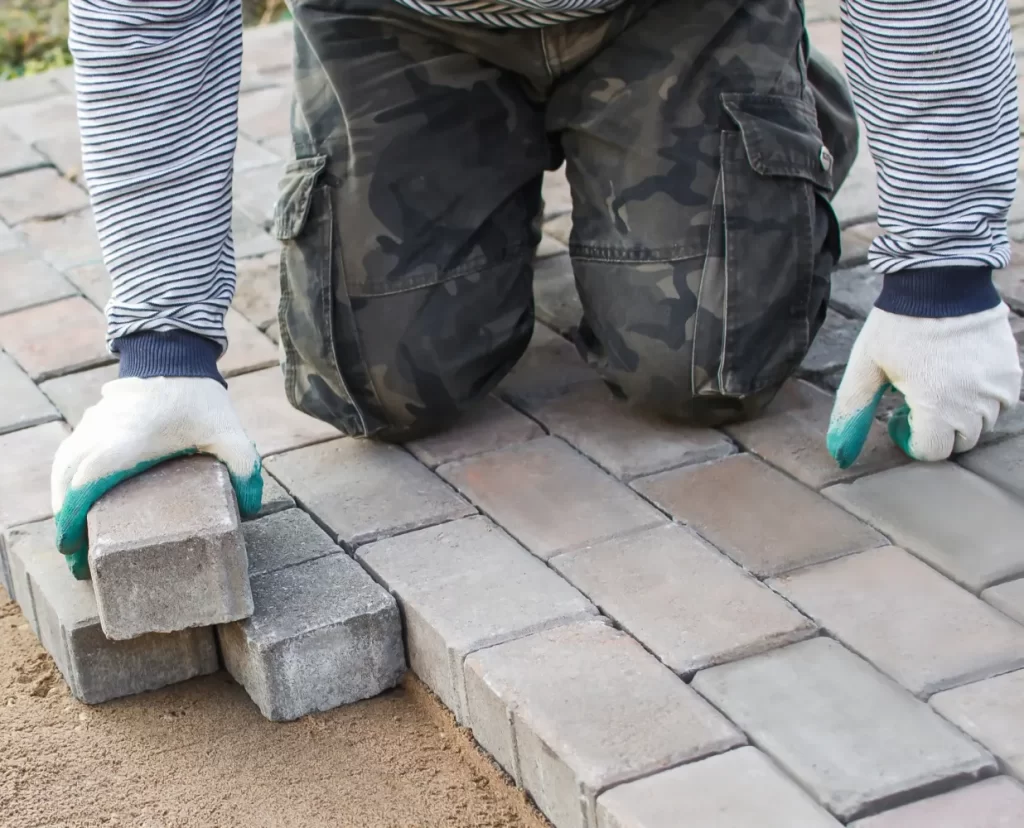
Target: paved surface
[636, 621]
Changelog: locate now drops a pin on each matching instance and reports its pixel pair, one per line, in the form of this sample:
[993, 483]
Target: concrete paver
[38, 194]
[959, 523]
[28, 281]
[831, 347]
[56, 338]
[667, 588]
[991, 803]
[1008, 598]
[464, 586]
[1002, 464]
[264, 113]
[856, 241]
[908, 620]
[74, 393]
[849, 735]
[25, 482]
[556, 301]
[548, 497]
[275, 498]
[22, 404]
[549, 368]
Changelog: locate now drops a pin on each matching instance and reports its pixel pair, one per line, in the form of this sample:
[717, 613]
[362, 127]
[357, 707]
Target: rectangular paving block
[846, 733]
[67, 242]
[74, 393]
[322, 634]
[166, 551]
[991, 803]
[22, 404]
[29, 280]
[830, 350]
[38, 194]
[908, 620]
[1001, 463]
[56, 338]
[25, 481]
[854, 291]
[756, 515]
[93, 281]
[791, 436]
[275, 498]
[464, 586]
[991, 711]
[489, 425]
[684, 601]
[248, 349]
[588, 708]
[958, 522]
[548, 497]
[622, 439]
[65, 616]
[363, 490]
[284, 539]
[555, 299]
[1008, 598]
[738, 789]
[548, 369]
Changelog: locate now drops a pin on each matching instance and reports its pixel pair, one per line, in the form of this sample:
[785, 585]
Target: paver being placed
[322, 634]
[29, 281]
[991, 803]
[549, 497]
[581, 708]
[255, 191]
[491, 424]
[93, 281]
[57, 338]
[1008, 598]
[992, 711]
[621, 439]
[275, 498]
[958, 522]
[760, 518]
[548, 369]
[362, 490]
[848, 734]
[908, 620]
[739, 789]
[1002, 464]
[64, 612]
[38, 194]
[166, 551]
[464, 586]
[74, 393]
[791, 436]
[25, 481]
[284, 539]
[21, 404]
[684, 601]
[264, 113]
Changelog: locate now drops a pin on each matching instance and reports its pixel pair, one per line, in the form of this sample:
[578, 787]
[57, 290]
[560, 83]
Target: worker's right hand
[137, 424]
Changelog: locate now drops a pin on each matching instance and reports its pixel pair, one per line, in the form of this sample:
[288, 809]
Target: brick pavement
[639, 623]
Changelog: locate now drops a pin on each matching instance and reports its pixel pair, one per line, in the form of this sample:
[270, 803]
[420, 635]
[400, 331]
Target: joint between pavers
[24, 168]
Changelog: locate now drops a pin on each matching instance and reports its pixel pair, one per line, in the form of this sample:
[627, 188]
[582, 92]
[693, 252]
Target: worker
[703, 140]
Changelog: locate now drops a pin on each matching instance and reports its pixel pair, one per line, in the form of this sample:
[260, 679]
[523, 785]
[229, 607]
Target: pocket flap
[781, 136]
[294, 193]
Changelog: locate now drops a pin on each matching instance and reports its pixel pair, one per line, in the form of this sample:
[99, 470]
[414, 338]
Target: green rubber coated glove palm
[957, 375]
[137, 424]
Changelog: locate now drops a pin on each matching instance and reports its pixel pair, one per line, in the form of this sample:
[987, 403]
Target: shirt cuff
[936, 292]
[168, 354]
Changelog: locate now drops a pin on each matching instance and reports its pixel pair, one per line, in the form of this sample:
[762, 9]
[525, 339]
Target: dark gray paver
[991, 711]
[21, 404]
[464, 586]
[668, 589]
[56, 338]
[624, 440]
[322, 634]
[74, 393]
[548, 369]
[259, 289]
[265, 113]
[549, 246]
[255, 191]
[1002, 464]
[38, 194]
[991, 803]
[854, 291]
[849, 735]
[284, 539]
[275, 498]
[856, 241]
[831, 347]
[549, 497]
[63, 611]
[581, 708]
[1008, 598]
[363, 490]
[738, 789]
[556, 302]
[166, 551]
[93, 281]
[17, 155]
[959, 523]
[764, 534]
[908, 620]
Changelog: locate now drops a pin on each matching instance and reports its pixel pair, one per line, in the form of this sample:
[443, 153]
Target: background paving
[632, 619]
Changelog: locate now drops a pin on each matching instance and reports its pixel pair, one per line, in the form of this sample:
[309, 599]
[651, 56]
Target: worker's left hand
[956, 373]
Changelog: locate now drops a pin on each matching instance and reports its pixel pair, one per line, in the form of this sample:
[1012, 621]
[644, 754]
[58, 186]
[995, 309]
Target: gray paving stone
[323, 634]
[549, 246]
[959, 523]
[255, 191]
[622, 439]
[464, 586]
[491, 424]
[248, 349]
[9, 240]
[991, 803]
[38, 194]
[275, 498]
[831, 347]
[268, 49]
[259, 289]
[556, 302]
[56, 338]
[1008, 598]
[856, 241]
[549, 497]
[21, 404]
[166, 551]
[1002, 464]
[284, 539]
[549, 690]
[908, 620]
[362, 490]
[791, 436]
[749, 511]
[16, 155]
[74, 393]
[847, 734]
[67, 242]
[265, 114]
[249, 154]
[250, 239]
[46, 118]
[857, 200]
[27, 280]
[95, 668]
[739, 789]
[549, 368]
[27, 89]
[1009, 424]
[93, 281]
[557, 195]
[25, 482]
[991, 711]
[854, 291]
[667, 588]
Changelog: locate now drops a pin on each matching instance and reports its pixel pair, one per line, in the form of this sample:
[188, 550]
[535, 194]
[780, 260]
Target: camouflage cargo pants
[701, 142]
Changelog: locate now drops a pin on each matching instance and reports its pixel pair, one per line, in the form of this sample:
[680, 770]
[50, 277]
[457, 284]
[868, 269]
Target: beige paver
[248, 349]
[548, 369]
[74, 393]
[1002, 464]
[1008, 598]
[56, 338]
[67, 242]
[258, 289]
[38, 194]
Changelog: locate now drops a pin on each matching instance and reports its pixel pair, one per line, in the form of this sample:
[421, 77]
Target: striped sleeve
[157, 84]
[935, 85]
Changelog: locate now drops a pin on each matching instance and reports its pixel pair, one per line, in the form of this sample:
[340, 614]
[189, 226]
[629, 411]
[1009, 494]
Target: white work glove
[137, 424]
[957, 374]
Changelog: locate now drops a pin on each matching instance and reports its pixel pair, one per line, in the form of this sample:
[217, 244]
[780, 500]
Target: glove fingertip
[848, 434]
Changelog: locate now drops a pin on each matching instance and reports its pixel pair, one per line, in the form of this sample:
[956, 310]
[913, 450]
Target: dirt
[200, 755]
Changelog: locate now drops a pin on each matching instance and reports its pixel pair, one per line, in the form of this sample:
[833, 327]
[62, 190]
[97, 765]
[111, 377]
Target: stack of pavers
[299, 623]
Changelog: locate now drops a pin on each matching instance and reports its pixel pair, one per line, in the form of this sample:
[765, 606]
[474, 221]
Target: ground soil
[200, 755]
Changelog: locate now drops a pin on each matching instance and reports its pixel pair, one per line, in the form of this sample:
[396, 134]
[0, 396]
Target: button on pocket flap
[781, 136]
[294, 193]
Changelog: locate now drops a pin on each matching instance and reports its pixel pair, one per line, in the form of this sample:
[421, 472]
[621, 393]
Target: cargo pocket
[775, 178]
[304, 223]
